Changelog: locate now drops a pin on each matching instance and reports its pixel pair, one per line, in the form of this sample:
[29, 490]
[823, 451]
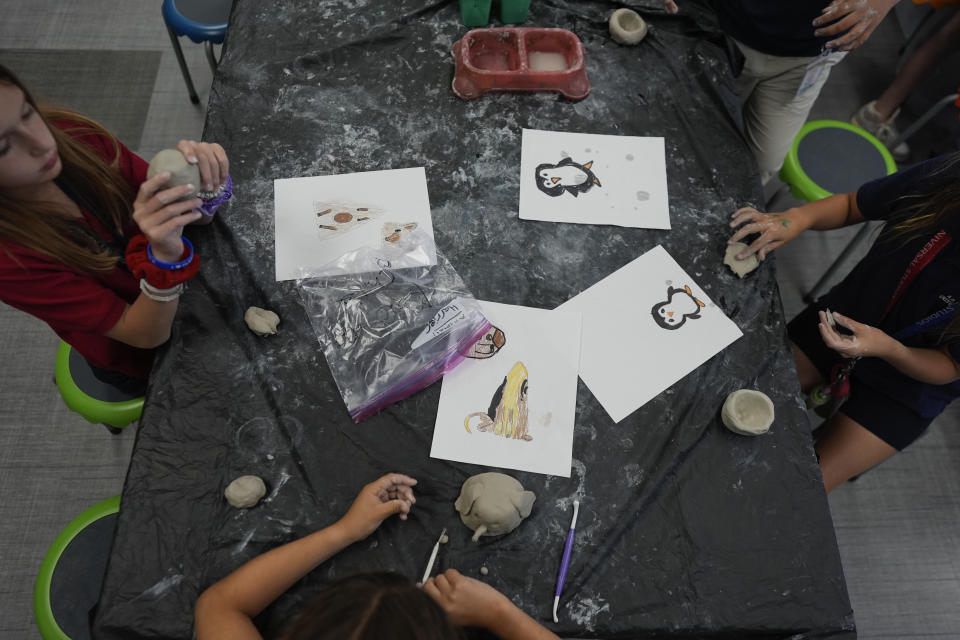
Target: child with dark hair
[371, 606]
[889, 347]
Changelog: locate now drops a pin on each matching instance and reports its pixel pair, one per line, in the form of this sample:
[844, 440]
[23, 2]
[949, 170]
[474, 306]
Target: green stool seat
[95, 400]
[829, 156]
[71, 573]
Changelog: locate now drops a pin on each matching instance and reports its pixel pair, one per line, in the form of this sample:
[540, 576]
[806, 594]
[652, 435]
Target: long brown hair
[372, 606]
[921, 214]
[86, 177]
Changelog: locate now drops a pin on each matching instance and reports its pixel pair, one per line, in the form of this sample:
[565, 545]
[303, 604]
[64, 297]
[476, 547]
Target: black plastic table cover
[685, 529]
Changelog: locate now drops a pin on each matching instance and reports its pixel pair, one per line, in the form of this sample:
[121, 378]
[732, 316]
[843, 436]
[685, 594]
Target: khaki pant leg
[772, 112]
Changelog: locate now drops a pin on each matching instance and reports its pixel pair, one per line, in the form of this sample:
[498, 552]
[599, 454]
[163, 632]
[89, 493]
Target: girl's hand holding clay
[775, 229]
[210, 158]
[390, 494]
[468, 602]
[161, 217]
[865, 341]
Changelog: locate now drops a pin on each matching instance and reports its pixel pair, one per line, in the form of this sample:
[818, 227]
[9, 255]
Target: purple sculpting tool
[567, 548]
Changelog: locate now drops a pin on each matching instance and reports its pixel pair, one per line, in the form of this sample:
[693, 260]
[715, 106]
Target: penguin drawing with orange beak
[566, 176]
[680, 306]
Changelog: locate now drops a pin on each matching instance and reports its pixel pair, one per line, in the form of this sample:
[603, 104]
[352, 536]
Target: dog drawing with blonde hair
[507, 415]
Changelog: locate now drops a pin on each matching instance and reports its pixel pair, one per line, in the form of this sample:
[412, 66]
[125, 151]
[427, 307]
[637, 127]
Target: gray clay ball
[181, 171]
[627, 27]
[245, 491]
[484, 571]
[262, 322]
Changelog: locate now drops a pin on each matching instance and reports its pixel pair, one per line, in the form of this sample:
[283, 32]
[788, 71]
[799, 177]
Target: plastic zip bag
[389, 332]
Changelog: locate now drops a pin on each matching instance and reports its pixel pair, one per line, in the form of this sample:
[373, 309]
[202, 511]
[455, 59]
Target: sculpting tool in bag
[433, 556]
[565, 562]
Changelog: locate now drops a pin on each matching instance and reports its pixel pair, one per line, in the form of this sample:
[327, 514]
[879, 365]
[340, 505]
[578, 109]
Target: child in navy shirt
[895, 335]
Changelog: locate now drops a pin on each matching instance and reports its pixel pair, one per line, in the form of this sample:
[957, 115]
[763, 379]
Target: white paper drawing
[513, 403]
[320, 218]
[336, 218]
[645, 326]
[593, 179]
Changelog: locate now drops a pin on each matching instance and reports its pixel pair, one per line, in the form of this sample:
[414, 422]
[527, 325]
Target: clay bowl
[747, 412]
[627, 27]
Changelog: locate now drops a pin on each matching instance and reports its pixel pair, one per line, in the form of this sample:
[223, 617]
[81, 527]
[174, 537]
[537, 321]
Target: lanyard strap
[920, 261]
[932, 320]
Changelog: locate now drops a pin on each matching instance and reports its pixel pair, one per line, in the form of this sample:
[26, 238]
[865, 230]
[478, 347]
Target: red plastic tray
[500, 60]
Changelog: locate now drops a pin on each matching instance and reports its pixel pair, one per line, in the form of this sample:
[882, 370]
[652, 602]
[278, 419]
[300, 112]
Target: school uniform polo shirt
[866, 292]
[79, 306]
[773, 27]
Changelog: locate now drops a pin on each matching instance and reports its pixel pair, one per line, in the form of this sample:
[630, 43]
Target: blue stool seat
[200, 20]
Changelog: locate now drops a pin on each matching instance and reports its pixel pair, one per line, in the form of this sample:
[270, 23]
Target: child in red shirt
[73, 203]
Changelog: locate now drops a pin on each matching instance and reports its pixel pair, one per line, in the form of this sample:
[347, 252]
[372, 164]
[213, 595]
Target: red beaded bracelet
[140, 266]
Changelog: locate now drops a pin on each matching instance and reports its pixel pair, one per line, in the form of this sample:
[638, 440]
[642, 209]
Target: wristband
[172, 266]
[161, 295]
[138, 262]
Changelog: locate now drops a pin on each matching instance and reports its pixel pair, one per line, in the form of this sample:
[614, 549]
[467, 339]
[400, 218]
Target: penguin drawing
[566, 176]
[671, 314]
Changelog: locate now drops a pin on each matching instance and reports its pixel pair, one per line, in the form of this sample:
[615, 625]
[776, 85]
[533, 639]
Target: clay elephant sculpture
[493, 504]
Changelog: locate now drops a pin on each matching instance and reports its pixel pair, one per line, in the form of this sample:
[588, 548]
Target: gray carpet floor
[898, 526]
[112, 87]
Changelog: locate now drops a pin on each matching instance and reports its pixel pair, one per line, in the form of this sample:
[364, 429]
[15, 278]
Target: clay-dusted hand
[775, 229]
[865, 341]
[377, 501]
[670, 6]
[210, 158]
[858, 18]
[161, 218]
[468, 602]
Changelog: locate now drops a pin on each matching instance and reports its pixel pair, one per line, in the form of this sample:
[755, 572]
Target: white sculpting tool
[565, 562]
[433, 556]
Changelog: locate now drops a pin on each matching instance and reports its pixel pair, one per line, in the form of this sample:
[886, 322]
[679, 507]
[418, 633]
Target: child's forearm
[145, 324]
[235, 600]
[510, 623]
[926, 365]
[833, 212]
